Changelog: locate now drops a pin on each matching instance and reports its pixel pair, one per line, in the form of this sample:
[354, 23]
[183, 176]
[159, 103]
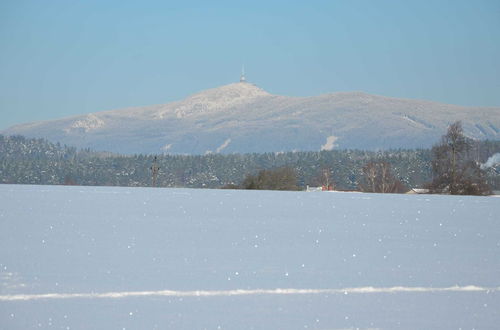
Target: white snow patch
[330, 143]
[167, 147]
[492, 161]
[88, 123]
[223, 146]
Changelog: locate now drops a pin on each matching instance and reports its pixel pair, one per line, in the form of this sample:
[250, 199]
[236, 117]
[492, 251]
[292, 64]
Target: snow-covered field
[142, 258]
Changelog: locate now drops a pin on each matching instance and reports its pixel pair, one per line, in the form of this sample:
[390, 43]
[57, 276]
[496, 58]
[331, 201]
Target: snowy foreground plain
[142, 258]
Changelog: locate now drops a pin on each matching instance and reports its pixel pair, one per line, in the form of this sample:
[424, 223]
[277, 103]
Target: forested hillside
[36, 161]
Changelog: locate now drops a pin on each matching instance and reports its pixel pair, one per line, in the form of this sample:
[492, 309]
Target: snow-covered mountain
[242, 117]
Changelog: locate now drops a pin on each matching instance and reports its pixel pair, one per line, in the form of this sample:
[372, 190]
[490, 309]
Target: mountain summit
[242, 117]
[215, 100]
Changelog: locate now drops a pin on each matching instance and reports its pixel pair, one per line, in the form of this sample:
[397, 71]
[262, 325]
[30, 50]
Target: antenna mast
[242, 77]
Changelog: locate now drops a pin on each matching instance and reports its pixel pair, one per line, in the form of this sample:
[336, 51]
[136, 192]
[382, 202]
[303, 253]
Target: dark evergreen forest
[37, 161]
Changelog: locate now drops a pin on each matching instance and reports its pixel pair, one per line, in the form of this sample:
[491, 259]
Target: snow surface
[143, 258]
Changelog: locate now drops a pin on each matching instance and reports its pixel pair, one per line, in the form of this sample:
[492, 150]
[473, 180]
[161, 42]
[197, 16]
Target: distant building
[418, 191]
[312, 189]
[322, 188]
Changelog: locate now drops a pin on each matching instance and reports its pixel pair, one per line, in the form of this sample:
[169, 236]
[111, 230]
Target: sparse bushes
[283, 178]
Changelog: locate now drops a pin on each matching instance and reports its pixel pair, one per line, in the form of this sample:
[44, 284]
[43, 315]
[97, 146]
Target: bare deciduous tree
[378, 177]
[454, 169]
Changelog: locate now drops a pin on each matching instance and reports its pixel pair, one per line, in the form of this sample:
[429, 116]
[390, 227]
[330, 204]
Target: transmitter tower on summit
[242, 76]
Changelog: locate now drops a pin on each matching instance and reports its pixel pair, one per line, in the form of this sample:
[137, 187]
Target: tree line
[37, 161]
[455, 164]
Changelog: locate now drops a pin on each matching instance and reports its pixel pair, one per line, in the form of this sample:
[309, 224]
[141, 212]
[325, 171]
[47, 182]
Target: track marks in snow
[226, 293]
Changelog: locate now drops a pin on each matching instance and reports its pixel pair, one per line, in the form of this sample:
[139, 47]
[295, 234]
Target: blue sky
[62, 58]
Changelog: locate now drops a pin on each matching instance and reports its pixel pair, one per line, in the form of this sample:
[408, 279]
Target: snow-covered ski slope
[142, 258]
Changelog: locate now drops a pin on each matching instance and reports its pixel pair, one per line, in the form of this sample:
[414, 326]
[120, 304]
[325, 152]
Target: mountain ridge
[242, 117]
